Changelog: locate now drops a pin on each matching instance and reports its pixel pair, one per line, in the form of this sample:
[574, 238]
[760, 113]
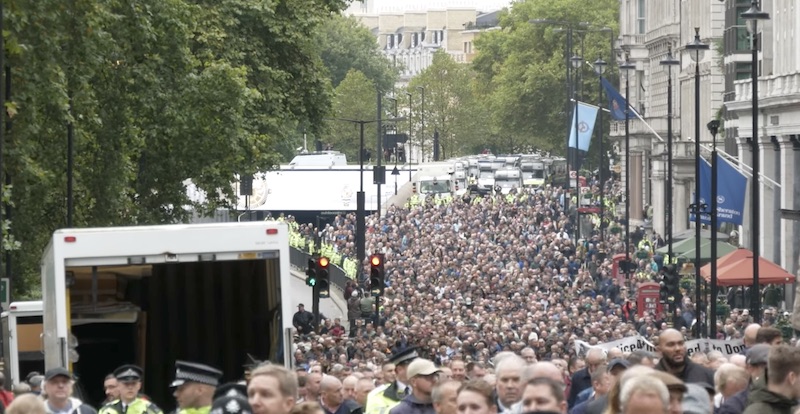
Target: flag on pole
[731, 191]
[616, 103]
[587, 116]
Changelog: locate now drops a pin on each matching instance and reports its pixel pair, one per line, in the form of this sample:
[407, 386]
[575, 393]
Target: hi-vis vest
[383, 399]
[138, 406]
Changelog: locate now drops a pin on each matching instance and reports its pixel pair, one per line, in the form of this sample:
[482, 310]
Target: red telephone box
[647, 299]
[616, 272]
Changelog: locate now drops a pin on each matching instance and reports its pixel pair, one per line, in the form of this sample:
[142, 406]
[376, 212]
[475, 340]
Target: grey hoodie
[78, 407]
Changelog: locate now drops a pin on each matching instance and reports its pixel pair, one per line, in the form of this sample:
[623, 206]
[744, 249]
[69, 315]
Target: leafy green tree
[355, 99]
[158, 92]
[449, 106]
[521, 68]
[345, 44]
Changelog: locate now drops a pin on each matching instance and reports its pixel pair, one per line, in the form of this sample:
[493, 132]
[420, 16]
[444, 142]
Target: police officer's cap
[231, 389]
[194, 372]
[252, 363]
[231, 405]
[128, 373]
[404, 356]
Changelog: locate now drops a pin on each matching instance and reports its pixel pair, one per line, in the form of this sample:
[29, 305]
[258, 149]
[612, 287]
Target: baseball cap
[757, 355]
[57, 372]
[421, 366]
[618, 362]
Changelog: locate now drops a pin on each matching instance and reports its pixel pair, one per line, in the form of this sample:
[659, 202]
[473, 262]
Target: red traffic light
[323, 262]
[375, 260]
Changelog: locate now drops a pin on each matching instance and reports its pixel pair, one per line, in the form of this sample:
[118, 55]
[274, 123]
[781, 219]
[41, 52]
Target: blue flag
[616, 103]
[587, 115]
[731, 191]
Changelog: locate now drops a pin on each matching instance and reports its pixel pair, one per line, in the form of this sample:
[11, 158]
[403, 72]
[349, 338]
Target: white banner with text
[638, 342]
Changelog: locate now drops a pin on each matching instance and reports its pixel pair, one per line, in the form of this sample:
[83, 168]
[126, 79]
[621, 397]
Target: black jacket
[692, 373]
[581, 380]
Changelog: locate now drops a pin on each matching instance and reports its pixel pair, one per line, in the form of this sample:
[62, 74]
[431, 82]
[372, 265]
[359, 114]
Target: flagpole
[577, 64]
[744, 168]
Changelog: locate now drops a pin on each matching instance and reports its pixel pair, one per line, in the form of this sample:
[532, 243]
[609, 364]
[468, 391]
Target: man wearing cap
[303, 320]
[194, 387]
[384, 398]
[57, 386]
[423, 375]
[756, 360]
[129, 378]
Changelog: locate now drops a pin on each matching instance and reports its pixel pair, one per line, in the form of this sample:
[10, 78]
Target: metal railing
[298, 259]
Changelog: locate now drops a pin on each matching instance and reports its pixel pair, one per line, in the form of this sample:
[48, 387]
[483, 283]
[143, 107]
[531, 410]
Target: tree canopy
[157, 92]
[521, 68]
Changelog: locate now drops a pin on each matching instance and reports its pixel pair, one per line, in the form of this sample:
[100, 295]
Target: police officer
[194, 387]
[129, 378]
[384, 398]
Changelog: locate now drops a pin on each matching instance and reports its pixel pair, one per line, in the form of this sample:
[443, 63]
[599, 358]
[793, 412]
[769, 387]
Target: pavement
[333, 307]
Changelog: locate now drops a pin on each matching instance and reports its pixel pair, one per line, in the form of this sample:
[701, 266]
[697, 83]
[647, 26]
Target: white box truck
[150, 295]
[22, 341]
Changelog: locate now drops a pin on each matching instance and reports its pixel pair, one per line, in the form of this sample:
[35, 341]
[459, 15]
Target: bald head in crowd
[750, 334]
[543, 370]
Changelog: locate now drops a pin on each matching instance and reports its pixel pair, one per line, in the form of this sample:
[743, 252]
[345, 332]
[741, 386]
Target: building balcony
[772, 90]
[633, 39]
[681, 150]
[666, 31]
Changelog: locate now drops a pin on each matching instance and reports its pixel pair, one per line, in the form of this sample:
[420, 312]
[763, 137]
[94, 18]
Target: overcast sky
[383, 6]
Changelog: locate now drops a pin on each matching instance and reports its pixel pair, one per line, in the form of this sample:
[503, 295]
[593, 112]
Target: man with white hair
[583, 378]
[57, 387]
[509, 382]
[644, 395]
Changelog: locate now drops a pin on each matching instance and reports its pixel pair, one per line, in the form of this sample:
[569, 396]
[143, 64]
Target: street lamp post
[696, 50]
[360, 198]
[422, 130]
[752, 16]
[627, 67]
[713, 128]
[410, 122]
[599, 69]
[576, 62]
[669, 62]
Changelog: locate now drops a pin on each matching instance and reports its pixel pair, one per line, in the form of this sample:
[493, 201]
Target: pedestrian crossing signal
[323, 278]
[377, 274]
[311, 273]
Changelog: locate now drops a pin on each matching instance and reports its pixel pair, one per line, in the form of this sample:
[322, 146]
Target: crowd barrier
[299, 260]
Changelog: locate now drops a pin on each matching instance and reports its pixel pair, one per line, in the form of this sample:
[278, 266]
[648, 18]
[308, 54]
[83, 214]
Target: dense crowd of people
[475, 276]
[485, 301]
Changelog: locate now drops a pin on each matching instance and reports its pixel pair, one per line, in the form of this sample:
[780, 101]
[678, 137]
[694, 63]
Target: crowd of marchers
[762, 379]
[476, 276]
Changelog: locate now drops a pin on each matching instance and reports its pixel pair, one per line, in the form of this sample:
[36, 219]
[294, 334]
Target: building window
[743, 70]
[390, 41]
[640, 15]
[399, 40]
[742, 35]
[438, 37]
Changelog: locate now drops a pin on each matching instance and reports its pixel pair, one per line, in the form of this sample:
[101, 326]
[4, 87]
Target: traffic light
[323, 280]
[311, 272]
[377, 274]
[670, 291]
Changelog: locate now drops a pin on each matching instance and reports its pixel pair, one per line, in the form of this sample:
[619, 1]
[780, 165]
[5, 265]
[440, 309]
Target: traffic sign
[5, 295]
